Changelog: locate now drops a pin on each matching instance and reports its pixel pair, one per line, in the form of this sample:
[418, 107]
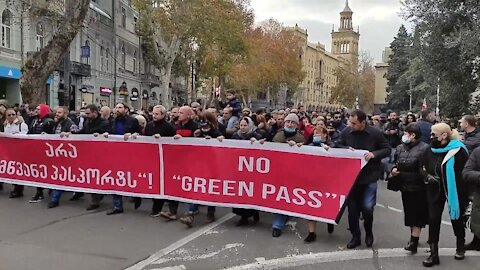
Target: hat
[44, 111]
[195, 104]
[292, 117]
[246, 110]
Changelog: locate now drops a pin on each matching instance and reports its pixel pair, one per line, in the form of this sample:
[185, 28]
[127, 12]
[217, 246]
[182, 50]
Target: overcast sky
[378, 20]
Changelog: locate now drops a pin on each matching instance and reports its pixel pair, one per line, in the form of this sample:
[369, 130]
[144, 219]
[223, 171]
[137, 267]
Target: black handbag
[394, 183]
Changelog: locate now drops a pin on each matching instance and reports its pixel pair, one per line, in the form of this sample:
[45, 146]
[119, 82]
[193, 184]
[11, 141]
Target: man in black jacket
[41, 123]
[122, 125]
[359, 135]
[94, 124]
[159, 127]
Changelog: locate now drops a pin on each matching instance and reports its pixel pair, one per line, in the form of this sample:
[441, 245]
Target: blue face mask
[317, 140]
[289, 129]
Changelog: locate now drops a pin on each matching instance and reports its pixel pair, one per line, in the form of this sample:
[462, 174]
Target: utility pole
[437, 110]
[114, 54]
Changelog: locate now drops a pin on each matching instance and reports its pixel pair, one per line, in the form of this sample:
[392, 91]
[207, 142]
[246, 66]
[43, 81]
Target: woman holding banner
[15, 125]
[247, 131]
[320, 138]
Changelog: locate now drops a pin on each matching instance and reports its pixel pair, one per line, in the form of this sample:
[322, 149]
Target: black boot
[433, 259]
[412, 245]
[474, 245]
[460, 253]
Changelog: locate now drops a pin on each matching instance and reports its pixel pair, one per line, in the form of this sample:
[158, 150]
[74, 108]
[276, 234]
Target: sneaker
[14, 195]
[114, 212]
[311, 237]
[210, 218]
[93, 207]
[187, 220]
[276, 232]
[37, 198]
[77, 196]
[168, 216]
[155, 214]
[52, 204]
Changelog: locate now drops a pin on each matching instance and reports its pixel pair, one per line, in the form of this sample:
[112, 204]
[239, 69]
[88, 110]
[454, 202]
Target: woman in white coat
[15, 125]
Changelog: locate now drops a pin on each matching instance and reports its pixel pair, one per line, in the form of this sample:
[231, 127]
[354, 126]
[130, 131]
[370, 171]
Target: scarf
[452, 195]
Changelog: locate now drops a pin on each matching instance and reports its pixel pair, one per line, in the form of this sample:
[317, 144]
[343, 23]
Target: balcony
[320, 80]
[150, 79]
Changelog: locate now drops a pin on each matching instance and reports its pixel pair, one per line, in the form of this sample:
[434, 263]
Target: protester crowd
[425, 159]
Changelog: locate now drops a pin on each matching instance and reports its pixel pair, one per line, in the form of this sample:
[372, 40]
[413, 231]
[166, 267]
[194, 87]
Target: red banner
[306, 182]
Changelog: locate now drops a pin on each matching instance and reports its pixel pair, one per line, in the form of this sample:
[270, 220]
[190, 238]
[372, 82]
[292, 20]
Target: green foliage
[446, 44]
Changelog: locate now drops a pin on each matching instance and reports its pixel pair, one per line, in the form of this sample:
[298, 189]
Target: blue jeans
[117, 202]
[363, 199]
[279, 221]
[56, 194]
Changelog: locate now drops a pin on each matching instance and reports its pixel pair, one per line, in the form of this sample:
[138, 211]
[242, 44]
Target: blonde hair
[445, 128]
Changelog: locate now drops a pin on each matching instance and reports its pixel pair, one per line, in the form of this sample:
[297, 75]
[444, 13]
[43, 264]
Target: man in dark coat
[471, 175]
[359, 135]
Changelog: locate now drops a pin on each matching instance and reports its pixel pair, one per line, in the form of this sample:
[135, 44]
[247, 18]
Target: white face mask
[406, 139]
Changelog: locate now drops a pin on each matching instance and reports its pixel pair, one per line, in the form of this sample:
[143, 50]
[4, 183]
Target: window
[135, 21]
[107, 59]
[124, 18]
[6, 28]
[86, 60]
[40, 40]
[102, 58]
[123, 56]
[135, 62]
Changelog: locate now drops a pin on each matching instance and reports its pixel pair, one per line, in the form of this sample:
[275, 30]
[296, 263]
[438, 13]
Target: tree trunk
[165, 87]
[40, 66]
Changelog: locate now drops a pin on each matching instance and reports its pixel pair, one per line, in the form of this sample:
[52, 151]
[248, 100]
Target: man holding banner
[362, 199]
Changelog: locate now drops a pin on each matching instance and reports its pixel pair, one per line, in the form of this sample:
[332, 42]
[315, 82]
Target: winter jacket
[234, 104]
[281, 137]
[408, 161]
[254, 134]
[18, 127]
[472, 139]
[369, 139]
[471, 175]
[432, 163]
[40, 126]
[131, 125]
[67, 125]
[426, 129]
[162, 127]
[393, 139]
[92, 126]
[188, 129]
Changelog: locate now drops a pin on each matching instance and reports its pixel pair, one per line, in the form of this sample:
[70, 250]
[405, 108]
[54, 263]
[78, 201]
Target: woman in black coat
[247, 131]
[408, 171]
[443, 164]
[471, 174]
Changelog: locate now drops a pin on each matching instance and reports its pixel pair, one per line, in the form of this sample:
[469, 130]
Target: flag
[424, 104]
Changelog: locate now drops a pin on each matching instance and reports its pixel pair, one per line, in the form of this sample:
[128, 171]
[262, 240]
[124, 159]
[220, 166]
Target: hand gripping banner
[307, 182]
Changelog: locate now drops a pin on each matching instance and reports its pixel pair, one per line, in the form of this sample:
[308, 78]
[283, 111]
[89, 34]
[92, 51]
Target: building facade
[103, 66]
[320, 65]
[381, 82]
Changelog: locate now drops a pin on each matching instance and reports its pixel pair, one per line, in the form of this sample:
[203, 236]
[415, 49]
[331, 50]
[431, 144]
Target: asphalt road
[68, 237]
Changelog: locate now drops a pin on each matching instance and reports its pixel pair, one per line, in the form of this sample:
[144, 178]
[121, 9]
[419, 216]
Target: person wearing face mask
[320, 139]
[444, 163]
[408, 168]
[247, 131]
[208, 129]
[291, 135]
